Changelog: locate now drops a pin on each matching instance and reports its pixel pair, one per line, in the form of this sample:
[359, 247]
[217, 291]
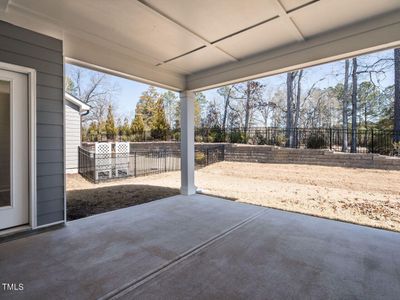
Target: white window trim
[32, 136]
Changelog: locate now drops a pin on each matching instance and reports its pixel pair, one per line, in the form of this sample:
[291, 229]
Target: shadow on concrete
[86, 202]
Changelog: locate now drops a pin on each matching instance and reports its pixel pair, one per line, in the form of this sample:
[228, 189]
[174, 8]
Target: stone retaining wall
[270, 154]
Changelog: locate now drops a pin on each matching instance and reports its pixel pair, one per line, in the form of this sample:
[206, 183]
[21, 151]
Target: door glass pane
[5, 144]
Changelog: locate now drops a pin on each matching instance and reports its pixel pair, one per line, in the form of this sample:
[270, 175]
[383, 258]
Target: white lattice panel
[122, 147]
[122, 151]
[103, 159]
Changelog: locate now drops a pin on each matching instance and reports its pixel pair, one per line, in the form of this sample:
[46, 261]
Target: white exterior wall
[72, 137]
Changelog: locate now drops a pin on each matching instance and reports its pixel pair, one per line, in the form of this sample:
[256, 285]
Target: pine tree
[137, 126]
[159, 122]
[170, 103]
[200, 102]
[93, 131]
[124, 130]
[111, 130]
[146, 106]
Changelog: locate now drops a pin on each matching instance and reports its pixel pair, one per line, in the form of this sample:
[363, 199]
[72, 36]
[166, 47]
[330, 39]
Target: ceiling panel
[199, 60]
[325, 16]
[292, 4]
[125, 23]
[262, 38]
[214, 19]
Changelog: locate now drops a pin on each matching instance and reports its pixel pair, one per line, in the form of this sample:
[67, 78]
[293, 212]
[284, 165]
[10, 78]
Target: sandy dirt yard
[363, 196]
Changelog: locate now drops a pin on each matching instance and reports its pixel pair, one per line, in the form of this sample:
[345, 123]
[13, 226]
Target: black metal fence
[366, 140]
[102, 167]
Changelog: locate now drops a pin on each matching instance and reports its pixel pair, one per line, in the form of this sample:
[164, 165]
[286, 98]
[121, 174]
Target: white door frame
[32, 135]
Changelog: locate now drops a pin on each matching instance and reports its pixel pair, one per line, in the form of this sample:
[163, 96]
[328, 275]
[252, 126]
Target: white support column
[187, 143]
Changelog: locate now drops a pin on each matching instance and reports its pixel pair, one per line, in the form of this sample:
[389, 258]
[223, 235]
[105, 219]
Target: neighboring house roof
[82, 106]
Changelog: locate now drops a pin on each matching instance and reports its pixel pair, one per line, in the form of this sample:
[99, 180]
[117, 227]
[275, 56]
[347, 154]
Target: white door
[14, 149]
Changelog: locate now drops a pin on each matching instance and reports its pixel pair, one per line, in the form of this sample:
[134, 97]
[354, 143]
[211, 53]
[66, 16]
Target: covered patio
[201, 247]
[190, 46]
[191, 245]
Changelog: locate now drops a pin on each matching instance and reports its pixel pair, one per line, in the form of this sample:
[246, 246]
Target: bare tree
[265, 108]
[289, 106]
[293, 90]
[93, 88]
[249, 92]
[226, 92]
[298, 99]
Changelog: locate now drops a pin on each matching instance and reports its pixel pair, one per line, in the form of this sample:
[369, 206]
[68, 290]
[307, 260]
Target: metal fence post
[95, 167]
[330, 138]
[372, 140]
[134, 170]
[165, 160]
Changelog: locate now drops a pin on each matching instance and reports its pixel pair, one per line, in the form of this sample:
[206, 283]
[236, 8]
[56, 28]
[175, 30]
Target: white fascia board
[373, 35]
[91, 55]
[82, 106]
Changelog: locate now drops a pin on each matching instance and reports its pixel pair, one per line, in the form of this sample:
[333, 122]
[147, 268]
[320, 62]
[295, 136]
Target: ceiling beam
[292, 25]
[372, 35]
[169, 19]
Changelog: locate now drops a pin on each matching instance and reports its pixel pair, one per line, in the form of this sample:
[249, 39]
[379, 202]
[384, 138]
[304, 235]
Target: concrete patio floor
[201, 247]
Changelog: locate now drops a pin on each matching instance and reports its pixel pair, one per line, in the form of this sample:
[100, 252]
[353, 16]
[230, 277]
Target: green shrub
[259, 138]
[280, 140]
[383, 145]
[199, 158]
[159, 134]
[237, 137]
[177, 135]
[198, 138]
[137, 137]
[315, 141]
[216, 135]
[396, 149]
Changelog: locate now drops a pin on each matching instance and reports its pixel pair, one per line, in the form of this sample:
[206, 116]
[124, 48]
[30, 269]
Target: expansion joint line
[130, 286]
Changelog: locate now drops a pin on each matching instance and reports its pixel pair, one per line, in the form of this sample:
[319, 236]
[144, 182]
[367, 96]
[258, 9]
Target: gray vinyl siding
[44, 54]
[72, 136]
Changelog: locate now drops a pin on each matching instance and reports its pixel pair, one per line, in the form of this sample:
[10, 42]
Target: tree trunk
[345, 104]
[397, 94]
[298, 98]
[289, 104]
[354, 108]
[366, 116]
[226, 106]
[247, 112]
[297, 113]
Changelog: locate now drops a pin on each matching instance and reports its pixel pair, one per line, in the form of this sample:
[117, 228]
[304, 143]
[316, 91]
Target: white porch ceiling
[198, 44]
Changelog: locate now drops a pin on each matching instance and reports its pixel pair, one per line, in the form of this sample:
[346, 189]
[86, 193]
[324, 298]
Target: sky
[130, 91]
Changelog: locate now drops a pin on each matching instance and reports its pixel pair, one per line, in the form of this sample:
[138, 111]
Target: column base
[187, 191]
